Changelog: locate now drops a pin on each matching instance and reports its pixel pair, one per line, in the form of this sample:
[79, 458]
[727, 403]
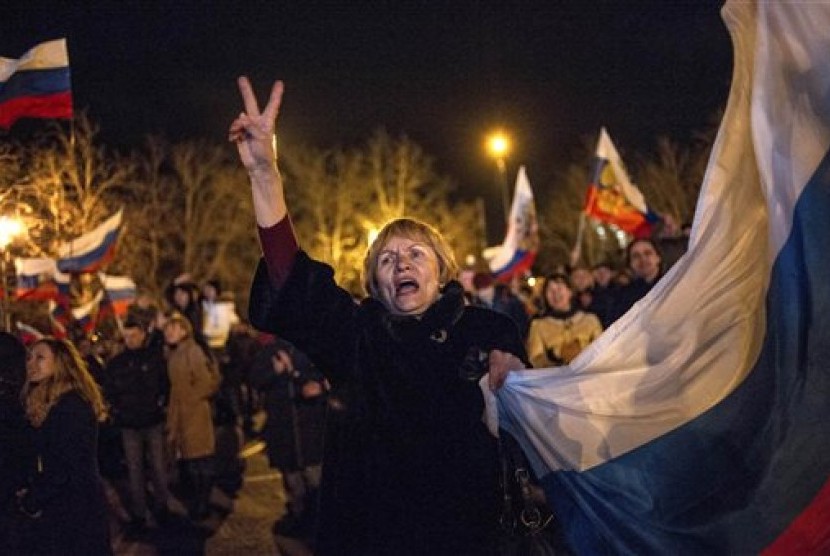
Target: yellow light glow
[498, 144]
[373, 235]
[9, 229]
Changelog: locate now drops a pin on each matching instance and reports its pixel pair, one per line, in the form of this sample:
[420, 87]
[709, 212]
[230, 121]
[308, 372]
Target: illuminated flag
[86, 315]
[119, 294]
[39, 279]
[521, 243]
[36, 85]
[612, 197]
[93, 250]
[699, 423]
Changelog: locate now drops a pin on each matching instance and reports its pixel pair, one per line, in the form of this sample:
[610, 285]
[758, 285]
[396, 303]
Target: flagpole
[576, 251]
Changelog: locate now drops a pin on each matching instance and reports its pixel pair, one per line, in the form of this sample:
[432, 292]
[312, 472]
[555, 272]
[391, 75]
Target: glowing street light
[498, 147]
[10, 228]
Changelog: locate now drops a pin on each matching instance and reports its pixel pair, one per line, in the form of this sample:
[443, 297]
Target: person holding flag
[699, 423]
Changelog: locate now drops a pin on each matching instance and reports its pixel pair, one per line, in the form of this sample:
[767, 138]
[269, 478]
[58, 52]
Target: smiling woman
[64, 495]
[413, 468]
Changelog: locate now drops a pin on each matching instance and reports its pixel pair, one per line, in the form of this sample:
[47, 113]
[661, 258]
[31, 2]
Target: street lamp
[498, 147]
[10, 228]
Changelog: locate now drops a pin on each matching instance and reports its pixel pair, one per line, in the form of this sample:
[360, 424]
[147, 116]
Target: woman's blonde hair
[71, 373]
[414, 230]
[176, 317]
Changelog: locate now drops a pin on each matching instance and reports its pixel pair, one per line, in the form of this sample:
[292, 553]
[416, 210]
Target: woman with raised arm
[418, 470]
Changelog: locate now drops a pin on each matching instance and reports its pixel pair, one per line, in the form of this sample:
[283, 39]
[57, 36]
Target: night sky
[443, 73]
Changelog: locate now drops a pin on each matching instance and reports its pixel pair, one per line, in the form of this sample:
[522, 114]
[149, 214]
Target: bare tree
[339, 196]
[70, 184]
[211, 232]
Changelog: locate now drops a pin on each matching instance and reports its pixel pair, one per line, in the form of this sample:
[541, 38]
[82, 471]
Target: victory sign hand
[253, 131]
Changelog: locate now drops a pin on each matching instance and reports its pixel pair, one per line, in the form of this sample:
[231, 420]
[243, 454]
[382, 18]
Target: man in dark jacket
[499, 298]
[136, 387]
[646, 264]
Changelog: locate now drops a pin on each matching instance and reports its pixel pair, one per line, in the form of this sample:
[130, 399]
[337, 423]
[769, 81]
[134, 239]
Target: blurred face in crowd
[582, 279]
[644, 260]
[181, 297]
[407, 276]
[134, 337]
[603, 276]
[174, 331]
[41, 363]
[209, 292]
[558, 295]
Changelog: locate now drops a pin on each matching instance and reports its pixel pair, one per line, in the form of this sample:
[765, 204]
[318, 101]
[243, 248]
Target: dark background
[443, 73]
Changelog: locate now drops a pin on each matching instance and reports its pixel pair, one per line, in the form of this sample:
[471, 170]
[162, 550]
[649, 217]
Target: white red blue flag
[119, 293]
[699, 423]
[39, 279]
[517, 253]
[93, 250]
[612, 197]
[36, 85]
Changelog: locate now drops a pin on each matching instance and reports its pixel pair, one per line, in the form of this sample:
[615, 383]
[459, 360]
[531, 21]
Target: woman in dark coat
[418, 469]
[64, 495]
[14, 442]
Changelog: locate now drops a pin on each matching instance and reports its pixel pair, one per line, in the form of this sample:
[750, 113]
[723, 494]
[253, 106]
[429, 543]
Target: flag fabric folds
[612, 197]
[86, 316]
[36, 85]
[521, 243]
[39, 279]
[119, 293]
[93, 250]
[699, 423]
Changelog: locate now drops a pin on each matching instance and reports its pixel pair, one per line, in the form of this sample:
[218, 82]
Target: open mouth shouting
[405, 287]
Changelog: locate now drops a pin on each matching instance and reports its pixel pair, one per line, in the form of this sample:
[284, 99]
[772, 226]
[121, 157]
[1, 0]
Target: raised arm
[253, 133]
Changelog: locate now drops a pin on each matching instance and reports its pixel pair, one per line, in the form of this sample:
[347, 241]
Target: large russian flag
[612, 197]
[36, 85]
[93, 250]
[699, 423]
[521, 243]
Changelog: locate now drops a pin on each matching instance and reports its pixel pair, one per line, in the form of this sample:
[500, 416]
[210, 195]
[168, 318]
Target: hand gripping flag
[521, 243]
[37, 85]
[699, 423]
[612, 197]
[93, 250]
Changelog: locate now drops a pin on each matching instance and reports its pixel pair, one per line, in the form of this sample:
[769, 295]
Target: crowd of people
[383, 390]
[140, 433]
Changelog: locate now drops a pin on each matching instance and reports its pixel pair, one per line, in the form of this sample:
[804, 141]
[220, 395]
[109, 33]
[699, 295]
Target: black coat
[136, 386]
[417, 470]
[627, 296]
[65, 484]
[294, 427]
